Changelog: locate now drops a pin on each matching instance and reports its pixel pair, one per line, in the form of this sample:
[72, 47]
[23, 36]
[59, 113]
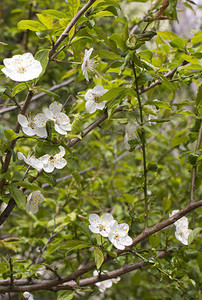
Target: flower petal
[60, 163]
[22, 120]
[90, 106]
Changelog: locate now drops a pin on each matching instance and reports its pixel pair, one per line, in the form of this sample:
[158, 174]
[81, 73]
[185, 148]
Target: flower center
[21, 70]
[101, 227]
[95, 97]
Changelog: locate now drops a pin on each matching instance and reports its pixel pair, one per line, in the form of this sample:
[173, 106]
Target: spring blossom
[33, 201]
[118, 235]
[182, 231]
[101, 225]
[32, 126]
[61, 120]
[92, 97]
[103, 285]
[22, 67]
[88, 63]
[30, 160]
[57, 161]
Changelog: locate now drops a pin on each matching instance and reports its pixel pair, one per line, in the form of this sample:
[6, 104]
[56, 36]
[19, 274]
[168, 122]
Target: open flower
[182, 222]
[92, 97]
[30, 160]
[61, 120]
[33, 201]
[28, 296]
[32, 126]
[182, 234]
[22, 67]
[103, 285]
[57, 161]
[118, 235]
[101, 225]
[88, 63]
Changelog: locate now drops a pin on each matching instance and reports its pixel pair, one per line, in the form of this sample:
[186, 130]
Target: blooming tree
[100, 151]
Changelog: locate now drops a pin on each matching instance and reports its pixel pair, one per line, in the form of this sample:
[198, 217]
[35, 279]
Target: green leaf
[65, 295]
[18, 88]
[8, 245]
[75, 245]
[31, 25]
[46, 147]
[166, 204]
[129, 198]
[193, 234]
[46, 20]
[73, 6]
[18, 196]
[113, 93]
[99, 258]
[43, 57]
[30, 186]
[105, 54]
[55, 14]
[162, 104]
[152, 167]
[3, 267]
[56, 96]
[197, 38]
[10, 134]
[104, 13]
[154, 241]
[179, 140]
[178, 43]
[2, 90]
[167, 35]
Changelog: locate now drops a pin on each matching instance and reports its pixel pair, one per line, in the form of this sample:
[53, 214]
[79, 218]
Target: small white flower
[30, 160]
[57, 161]
[92, 97]
[33, 201]
[130, 134]
[182, 222]
[32, 126]
[28, 296]
[88, 63]
[103, 285]
[22, 67]
[101, 225]
[182, 234]
[118, 235]
[61, 120]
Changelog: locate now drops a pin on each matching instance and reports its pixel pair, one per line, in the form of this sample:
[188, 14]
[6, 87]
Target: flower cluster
[22, 67]
[108, 227]
[45, 162]
[182, 231]
[37, 124]
[103, 285]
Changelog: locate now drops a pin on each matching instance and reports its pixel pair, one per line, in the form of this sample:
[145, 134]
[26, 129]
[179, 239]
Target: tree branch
[70, 26]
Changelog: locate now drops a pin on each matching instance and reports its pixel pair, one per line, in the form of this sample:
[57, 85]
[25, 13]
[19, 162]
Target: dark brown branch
[50, 284]
[70, 26]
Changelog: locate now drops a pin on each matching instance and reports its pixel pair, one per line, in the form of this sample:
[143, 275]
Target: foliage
[150, 74]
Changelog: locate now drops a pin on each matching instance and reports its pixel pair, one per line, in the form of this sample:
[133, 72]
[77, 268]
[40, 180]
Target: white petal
[66, 127]
[94, 229]
[55, 108]
[49, 167]
[41, 132]
[22, 120]
[28, 131]
[90, 106]
[88, 95]
[40, 120]
[123, 229]
[62, 151]
[49, 114]
[94, 219]
[63, 119]
[101, 105]
[85, 73]
[59, 129]
[127, 241]
[20, 156]
[118, 245]
[60, 163]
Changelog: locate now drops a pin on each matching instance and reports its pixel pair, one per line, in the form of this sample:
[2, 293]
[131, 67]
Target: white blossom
[28, 296]
[130, 134]
[88, 63]
[92, 97]
[103, 285]
[32, 126]
[33, 201]
[57, 161]
[61, 120]
[118, 235]
[30, 160]
[182, 222]
[101, 225]
[22, 67]
[182, 234]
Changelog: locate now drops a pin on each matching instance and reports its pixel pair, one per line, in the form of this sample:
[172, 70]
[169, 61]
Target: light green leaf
[56, 96]
[55, 14]
[99, 258]
[73, 6]
[178, 43]
[43, 57]
[46, 20]
[31, 25]
[104, 13]
[197, 38]
[179, 140]
[167, 35]
[199, 95]
[154, 241]
[28, 185]
[193, 234]
[18, 196]
[18, 88]
[65, 295]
